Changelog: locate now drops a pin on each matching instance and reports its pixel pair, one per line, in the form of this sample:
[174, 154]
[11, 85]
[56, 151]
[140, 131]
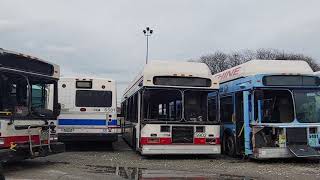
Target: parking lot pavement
[101, 161]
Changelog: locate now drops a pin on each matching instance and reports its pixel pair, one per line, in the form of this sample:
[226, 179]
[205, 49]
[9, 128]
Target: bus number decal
[110, 110]
[199, 135]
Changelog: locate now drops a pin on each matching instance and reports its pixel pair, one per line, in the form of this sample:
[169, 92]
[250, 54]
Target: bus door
[247, 114]
[239, 119]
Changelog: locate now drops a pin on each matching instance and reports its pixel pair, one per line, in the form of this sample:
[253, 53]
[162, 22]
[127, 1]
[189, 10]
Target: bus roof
[170, 68]
[83, 78]
[255, 67]
[36, 65]
[160, 68]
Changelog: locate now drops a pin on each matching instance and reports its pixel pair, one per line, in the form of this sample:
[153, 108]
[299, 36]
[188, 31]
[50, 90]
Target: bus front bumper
[285, 152]
[180, 149]
[22, 152]
[70, 137]
[270, 153]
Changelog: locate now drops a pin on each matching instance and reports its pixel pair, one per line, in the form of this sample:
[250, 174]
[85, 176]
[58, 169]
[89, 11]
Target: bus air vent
[182, 134]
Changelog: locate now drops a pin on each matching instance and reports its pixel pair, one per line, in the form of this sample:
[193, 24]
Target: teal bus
[270, 109]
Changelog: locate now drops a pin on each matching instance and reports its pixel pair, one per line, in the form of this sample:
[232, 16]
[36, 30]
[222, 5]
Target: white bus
[27, 118]
[88, 110]
[172, 108]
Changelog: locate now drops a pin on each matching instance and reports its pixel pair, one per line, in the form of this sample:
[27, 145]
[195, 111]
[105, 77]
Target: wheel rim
[229, 146]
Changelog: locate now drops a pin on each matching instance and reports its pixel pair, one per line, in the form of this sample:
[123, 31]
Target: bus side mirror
[259, 94]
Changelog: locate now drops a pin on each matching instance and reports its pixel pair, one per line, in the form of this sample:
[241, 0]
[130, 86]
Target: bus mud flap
[303, 151]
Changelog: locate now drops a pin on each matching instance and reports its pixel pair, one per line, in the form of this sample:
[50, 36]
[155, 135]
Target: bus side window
[130, 109]
[226, 109]
[127, 110]
[212, 108]
[135, 108]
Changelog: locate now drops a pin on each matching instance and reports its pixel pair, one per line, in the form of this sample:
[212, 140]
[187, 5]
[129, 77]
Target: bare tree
[220, 61]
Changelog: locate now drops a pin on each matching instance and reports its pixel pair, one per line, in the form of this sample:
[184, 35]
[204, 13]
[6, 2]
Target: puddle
[136, 173]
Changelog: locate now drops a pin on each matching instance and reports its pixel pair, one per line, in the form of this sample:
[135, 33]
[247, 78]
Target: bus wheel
[229, 146]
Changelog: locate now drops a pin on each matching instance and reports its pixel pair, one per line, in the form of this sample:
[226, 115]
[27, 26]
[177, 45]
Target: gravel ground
[120, 162]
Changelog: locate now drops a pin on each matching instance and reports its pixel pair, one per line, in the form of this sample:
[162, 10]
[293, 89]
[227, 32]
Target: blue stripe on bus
[92, 122]
[113, 122]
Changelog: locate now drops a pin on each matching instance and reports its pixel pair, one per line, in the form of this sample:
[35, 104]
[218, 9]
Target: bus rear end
[88, 110]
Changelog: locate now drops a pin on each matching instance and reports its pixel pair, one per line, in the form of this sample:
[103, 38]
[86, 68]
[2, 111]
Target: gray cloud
[104, 38]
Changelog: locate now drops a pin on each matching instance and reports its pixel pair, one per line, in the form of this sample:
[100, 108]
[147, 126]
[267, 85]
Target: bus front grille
[182, 134]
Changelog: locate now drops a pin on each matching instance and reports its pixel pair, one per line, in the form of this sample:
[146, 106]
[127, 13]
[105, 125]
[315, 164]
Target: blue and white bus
[88, 110]
[270, 109]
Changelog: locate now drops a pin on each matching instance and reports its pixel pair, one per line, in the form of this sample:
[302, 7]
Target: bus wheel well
[228, 142]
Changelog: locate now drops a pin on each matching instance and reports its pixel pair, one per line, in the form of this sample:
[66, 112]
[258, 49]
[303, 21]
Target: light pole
[147, 32]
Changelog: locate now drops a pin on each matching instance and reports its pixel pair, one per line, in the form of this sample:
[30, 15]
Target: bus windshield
[274, 106]
[162, 105]
[278, 106]
[26, 97]
[307, 104]
[196, 105]
[168, 105]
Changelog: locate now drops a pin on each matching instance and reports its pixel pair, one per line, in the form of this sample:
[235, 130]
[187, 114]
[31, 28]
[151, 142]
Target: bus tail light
[206, 141]
[155, 141]
[199, 141]
[165, 141]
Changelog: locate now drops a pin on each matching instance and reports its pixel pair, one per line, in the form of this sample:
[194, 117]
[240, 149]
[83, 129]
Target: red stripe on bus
[20, 139]
[155, 141]
[199, 141]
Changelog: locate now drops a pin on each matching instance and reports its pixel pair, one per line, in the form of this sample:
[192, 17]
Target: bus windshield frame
[20, 87]
[296, 103]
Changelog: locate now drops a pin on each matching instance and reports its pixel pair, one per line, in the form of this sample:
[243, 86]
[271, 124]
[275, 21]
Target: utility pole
[147, 32]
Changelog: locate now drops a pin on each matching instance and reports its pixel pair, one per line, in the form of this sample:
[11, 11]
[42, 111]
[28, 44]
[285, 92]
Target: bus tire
[229, 146]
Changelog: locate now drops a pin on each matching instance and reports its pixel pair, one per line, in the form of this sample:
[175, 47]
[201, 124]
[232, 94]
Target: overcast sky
[104, 38]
